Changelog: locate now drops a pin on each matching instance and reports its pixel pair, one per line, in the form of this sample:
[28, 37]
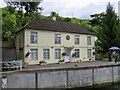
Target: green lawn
[105, 59]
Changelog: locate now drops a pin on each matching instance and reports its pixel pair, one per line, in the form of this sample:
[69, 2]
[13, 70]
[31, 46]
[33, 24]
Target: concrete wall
[103, 75]
[8, 54]
[64, 78]
[21, 81]
[116, 76]
[80, 78]
[52, 79]
[0, 81]
[19, 43]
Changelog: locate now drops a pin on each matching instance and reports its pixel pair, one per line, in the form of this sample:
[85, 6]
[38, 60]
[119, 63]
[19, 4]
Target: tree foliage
[29, 7]
[108, 33]
[13, 17]
[9, 25]
[96, 21]
[105, 25]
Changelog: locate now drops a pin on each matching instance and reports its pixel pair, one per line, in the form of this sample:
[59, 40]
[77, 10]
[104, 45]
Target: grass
[105, 59]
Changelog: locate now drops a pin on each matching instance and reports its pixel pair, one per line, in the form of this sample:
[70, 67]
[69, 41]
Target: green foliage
[85, 23]
[56, 15]
[105, 25]
[108, 33]
[9, 24]
[96, 21]
[76, 20]
[29, 7]
[13, 20]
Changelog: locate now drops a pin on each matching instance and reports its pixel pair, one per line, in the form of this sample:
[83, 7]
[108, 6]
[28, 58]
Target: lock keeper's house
[52, 41]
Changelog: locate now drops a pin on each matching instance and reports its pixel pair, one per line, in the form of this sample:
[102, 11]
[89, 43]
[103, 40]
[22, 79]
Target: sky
[74, 8]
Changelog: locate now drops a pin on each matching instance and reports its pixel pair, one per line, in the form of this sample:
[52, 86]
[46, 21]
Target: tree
[9, 25]
[96, 21]
[56, 15]
[13, 17]
[29, 7]
[108, 33]
[32, 9]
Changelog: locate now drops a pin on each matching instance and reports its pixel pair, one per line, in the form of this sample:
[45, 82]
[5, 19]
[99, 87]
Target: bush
[60, 61]
[73, 55]
[63, 54]
[79, 60]
[42, 62]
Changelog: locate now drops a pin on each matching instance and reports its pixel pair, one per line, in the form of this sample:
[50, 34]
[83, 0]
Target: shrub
[79, 60]
[42, 62]
[73, 55]
[63, 54]
[60, 61]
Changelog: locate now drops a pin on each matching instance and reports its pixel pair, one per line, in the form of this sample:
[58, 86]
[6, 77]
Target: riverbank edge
[6, 74]
[57, 69]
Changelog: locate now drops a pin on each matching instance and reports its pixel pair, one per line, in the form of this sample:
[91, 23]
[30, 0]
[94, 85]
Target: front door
[67, 57]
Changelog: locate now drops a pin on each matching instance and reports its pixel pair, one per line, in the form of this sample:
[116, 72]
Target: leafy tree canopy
[108, 32]
[9, 24]
[13, 17]
[29, 7]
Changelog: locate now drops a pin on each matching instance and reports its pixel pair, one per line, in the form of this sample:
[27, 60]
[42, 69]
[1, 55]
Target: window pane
[57, 38]
[34, 54]
[77, 53]
[89, 53]
[88, 40]
[33, 37]
[57, 53]
[46, 54]
[76, 39]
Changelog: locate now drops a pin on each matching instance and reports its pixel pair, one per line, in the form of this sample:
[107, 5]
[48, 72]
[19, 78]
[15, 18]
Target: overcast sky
[77, 8]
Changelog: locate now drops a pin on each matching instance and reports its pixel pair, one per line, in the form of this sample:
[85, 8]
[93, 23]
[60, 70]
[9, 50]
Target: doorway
[68, 55]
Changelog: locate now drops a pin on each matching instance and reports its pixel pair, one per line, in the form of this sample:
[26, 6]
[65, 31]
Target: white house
[52, 41]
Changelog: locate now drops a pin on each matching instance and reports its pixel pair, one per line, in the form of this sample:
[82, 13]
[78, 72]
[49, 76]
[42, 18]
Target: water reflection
[112, 87]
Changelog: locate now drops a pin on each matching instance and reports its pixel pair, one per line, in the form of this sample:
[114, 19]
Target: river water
[112, 87]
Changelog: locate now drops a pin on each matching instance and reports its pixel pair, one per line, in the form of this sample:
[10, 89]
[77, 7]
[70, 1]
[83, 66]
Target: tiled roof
[57, 26]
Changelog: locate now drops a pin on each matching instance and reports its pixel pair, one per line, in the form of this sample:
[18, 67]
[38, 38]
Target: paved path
[69, 65]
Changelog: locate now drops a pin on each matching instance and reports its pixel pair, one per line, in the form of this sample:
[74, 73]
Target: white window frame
[34, 37]
[77, 39]
[89, 53]
[57, 38]
[46, 54]
[77, 53]
[88, 40]
[33, 54]
[57, 53]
